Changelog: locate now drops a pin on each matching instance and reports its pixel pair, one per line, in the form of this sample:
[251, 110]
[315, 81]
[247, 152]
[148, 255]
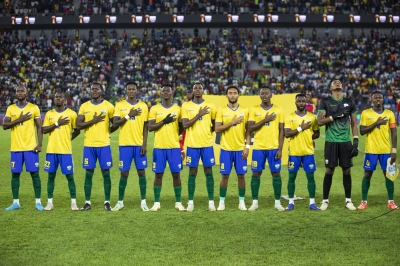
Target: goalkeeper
[338, 115]
[378, 124]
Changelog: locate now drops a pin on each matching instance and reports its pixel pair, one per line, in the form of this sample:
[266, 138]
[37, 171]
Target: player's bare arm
[39, 132]
[219, 127]
[315, 134]
[293, 132]
[155, 126]
[202, 111]
[60, 122]
[7, 123]
[393, 154]
[366, 129]
[81, 124]
[143, 151]
[281, 140]
[245, 152]
[268, 118]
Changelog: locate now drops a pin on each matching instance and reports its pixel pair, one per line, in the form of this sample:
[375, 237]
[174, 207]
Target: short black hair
[375, 92]
[198, 82]
[232, 87]
[166, 85]
[130, 83]
[300, 95]
[97, 83]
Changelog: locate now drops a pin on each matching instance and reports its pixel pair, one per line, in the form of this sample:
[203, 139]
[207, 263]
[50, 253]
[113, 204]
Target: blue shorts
[206, 154]
[259, 157]
[129, 153]
[65, 161]
[161, 156]
[226, 159]
[30, 158]
[371, 161]
[307, 161]
[91, 154]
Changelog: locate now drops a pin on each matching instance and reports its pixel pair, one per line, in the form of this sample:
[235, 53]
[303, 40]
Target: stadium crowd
[238, 6]
[365, 61]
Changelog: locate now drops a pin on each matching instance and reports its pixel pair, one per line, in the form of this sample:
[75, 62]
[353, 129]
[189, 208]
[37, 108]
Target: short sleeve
[82, 110]
[36, 114]
[315, 125]
[363, 120]
[213, 112]
[218, 117]
[116, 111]
[73, 119]
[152, 113]
[353, 107]
[281, 117]
[8, 112]
[111, 111]
[322, 106]
[184, 112]
[288, 123]
[46, 121]
[252, 113]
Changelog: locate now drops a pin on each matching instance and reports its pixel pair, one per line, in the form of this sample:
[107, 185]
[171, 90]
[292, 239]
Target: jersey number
[188, 159]
[86, 161]
[222, 166]
[154, 165]
[291, 165]
[46, 164]
[12, 164]
[121, 163]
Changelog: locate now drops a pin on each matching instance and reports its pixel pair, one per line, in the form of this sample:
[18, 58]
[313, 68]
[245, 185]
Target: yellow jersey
[131, 132]
[166, 137]
[232, 139]
[301, 144]
[378, 141]
[199, 134]
[266, 137]
[23, 135]
[97, 135]
[59, 141]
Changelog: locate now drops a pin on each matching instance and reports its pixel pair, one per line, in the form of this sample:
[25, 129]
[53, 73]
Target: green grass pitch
[168, 237]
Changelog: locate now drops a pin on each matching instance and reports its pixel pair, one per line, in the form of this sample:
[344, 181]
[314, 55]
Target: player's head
[198, 90]
[309, 98]
[232, 93]
[131, 89]
[377, 99]
[336, 86]
[166, 91]
[301, 102]
[59, 99]
[96, 90]
[21, 92]
[265, 94]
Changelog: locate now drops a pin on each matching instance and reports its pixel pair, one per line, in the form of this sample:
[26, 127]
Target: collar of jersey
[166, 107]
[91, 101]
[198, 103]
[383, 110]
[60, 112]
[22, 107]
[266, 109]
[132, 104]
[232, 108]
[301, 115]
[336, 99]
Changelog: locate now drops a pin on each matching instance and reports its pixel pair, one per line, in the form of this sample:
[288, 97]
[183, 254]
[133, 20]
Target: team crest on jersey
[102, 111]
[69, 167]
[36, 165]
[108, 163]
[311, 166]
[212, 160]
[345, 105]
[277, 166]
